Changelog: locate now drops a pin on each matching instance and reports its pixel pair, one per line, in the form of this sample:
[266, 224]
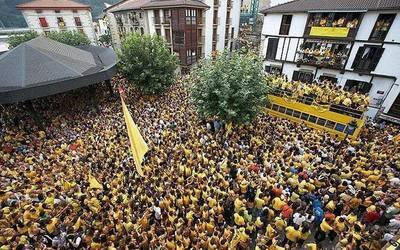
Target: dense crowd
[322, 93]
[270, 184]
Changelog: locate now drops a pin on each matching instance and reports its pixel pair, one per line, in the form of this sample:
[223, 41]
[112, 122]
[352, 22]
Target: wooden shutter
[295, 76]
[377, 56]
[358, 57]
[272, 48]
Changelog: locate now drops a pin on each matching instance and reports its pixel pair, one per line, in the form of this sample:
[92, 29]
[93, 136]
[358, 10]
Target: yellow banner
[329, 31]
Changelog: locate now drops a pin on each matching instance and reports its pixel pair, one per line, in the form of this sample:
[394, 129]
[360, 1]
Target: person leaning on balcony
[347, 101]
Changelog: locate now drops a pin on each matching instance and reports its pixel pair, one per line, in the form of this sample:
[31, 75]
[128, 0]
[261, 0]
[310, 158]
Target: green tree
[230, 86]
[105, 39]
[17, 39]
[147, 62]
[73, 38]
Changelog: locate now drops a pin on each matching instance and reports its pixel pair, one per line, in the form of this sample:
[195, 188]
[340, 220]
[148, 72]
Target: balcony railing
[310, 100]
[322, 59]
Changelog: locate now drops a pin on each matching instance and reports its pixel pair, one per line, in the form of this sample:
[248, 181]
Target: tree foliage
[15, 40]
[231, 86]
[147, 63]
[105, 40]
[72, 38]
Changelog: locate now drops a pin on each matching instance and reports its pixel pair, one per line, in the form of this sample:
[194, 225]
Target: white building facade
[44, 16]
[193, 29]
[357, 47]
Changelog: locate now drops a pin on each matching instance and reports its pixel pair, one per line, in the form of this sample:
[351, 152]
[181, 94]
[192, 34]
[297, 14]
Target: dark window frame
[286, 21]
[272, 48]
[380, 35]
[367, 61]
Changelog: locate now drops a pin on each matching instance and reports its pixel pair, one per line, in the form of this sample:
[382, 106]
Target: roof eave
[52, 8]
[175, 6]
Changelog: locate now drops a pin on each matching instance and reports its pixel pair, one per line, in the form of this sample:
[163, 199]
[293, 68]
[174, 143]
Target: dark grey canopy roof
[42, 67]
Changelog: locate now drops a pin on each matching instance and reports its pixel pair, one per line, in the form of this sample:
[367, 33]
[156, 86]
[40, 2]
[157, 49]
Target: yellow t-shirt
[292, 234]
[325, 226]
[239, 220]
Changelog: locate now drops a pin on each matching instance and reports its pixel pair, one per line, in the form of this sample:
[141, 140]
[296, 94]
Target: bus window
[330, 124]
[304, 116]
[312, 119]
[289, 112]
[321, 121]
[340, 127]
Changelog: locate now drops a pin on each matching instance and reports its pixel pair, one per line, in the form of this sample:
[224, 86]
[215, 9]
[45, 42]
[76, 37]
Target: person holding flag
[138, 146]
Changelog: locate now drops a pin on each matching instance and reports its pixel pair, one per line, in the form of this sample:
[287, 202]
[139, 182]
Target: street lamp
[350, 129]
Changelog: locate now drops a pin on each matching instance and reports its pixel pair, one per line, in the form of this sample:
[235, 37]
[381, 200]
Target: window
[321, 121]
[296, 114]
[367, 58]
[158, 32]
[282, 109]
[190, 56]
[60, 22]
[285, 25]
[357, 86]
[304, 116]
[140, 14]
[141, 30]
[275, 107]
[43, 22]
[38, 11]
[179, 37]
[78, 21]
[74, 11]
[168, 35]
[330, 124]
[215, 35]
[167, 16]
[302, 76]
[312, 119]
[232, 32]
[328, 78]
[289, 111]
[191, 16]
[272, 48]
[57, 11]
[273, 70]
[157, 17]
[382, 26]
[339, 127]
[215, 17]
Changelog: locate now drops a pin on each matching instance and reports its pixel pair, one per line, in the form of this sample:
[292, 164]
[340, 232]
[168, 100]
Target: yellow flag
[138, 146]
[94, 183]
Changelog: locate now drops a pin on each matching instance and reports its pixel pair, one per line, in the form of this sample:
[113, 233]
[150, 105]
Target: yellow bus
[335, 119]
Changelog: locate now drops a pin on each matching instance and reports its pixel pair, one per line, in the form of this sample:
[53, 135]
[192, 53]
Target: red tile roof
[53, 4]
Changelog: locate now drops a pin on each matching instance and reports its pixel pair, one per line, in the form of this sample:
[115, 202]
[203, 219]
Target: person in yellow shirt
[292, 234]
[239, 220]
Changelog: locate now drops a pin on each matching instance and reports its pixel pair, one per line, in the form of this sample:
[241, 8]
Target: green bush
[72, 38]
[231, 86]
[147, 62]
[15, 40]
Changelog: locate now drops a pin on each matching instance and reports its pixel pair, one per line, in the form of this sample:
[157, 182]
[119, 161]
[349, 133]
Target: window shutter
[358, 57]
[377, 56]
[295, 76]
[272, 47]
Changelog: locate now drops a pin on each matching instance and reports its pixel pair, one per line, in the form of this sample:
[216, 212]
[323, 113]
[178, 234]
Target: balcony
[323, 54]
[333, 25]
[310, 100]
[322, 59]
